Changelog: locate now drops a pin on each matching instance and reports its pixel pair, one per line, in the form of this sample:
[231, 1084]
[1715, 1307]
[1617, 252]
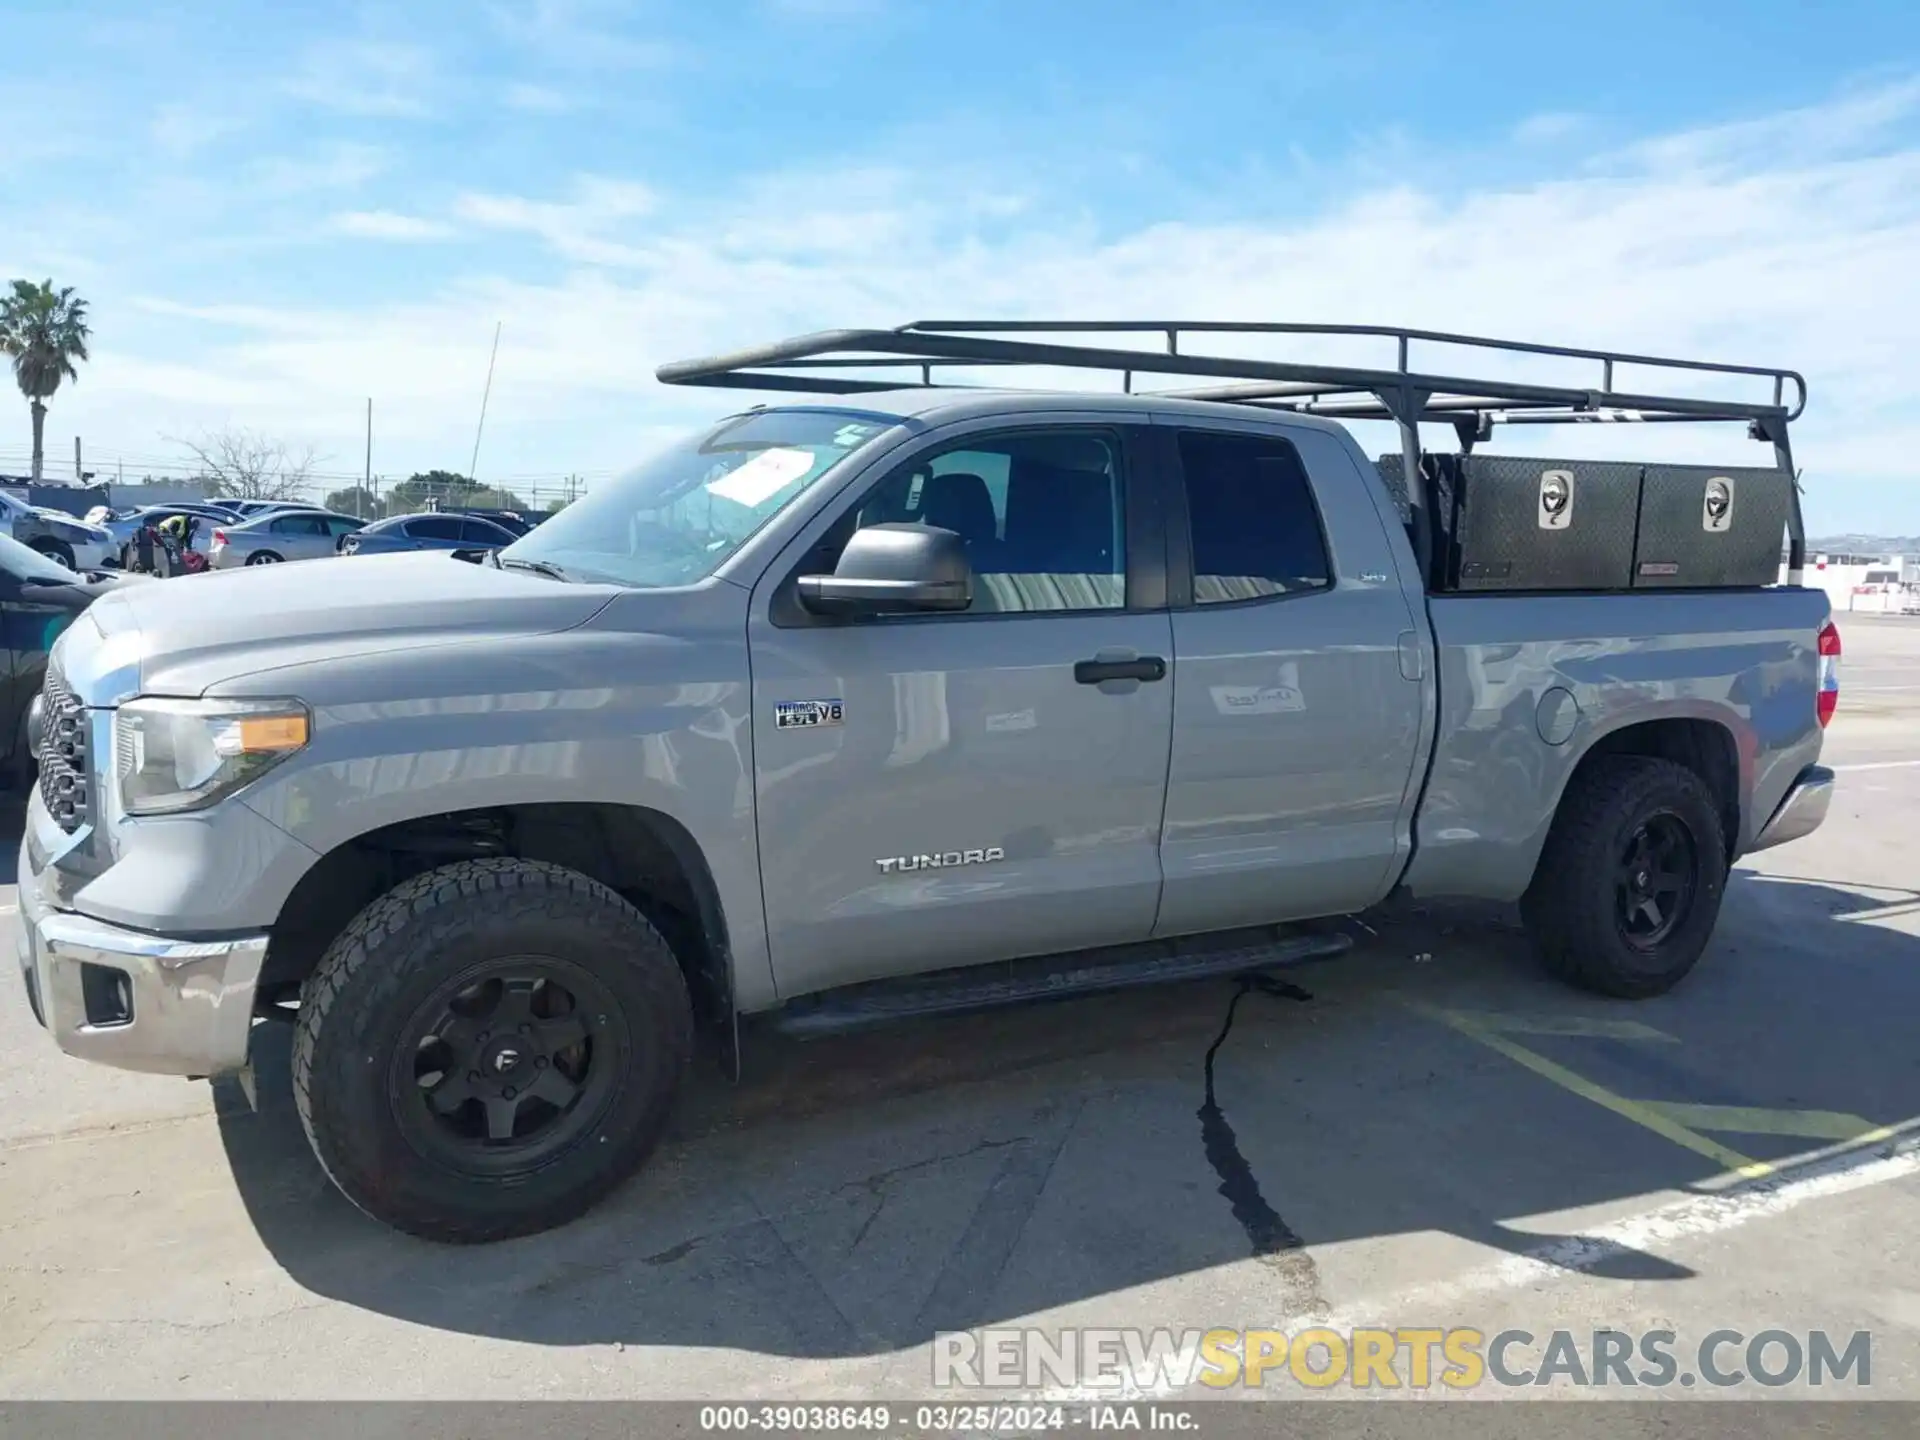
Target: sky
[278, 212]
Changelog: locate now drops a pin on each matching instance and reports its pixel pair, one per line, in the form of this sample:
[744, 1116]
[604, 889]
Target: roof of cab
[937, 404]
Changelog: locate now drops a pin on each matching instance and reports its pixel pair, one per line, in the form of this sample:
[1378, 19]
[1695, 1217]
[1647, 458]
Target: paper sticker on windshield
[762, 477]
[849, 435]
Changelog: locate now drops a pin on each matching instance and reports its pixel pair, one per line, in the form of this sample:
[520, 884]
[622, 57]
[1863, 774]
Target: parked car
[123, 525]
[516, 521]
[428, 531]
[909, 702]
[280, 535]
[39, 598]
[58, 535]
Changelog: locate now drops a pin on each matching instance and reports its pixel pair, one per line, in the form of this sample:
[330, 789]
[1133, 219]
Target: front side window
[1041, 513]
[674, 519]
[1250, 512]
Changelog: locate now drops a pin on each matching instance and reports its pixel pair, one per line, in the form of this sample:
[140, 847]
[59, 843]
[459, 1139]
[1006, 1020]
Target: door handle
[1146, 667]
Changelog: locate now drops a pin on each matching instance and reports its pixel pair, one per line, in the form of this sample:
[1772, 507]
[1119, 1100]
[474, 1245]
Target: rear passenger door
[1295, 732]
[948, 789]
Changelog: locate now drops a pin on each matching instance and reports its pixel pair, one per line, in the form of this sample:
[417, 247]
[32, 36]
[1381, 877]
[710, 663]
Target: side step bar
[1054, 977]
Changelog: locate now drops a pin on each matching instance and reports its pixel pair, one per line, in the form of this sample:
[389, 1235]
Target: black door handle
[1147, 667]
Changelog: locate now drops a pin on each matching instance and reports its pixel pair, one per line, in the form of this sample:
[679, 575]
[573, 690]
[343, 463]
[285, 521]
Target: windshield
[23, 562]
[672, 520]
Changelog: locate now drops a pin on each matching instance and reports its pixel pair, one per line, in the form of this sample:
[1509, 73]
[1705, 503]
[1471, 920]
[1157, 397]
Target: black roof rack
[1472, 405]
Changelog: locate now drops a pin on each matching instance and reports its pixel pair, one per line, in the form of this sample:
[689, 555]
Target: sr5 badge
[805, 714]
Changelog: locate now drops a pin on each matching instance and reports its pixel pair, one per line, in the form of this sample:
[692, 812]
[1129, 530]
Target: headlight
[185, 754]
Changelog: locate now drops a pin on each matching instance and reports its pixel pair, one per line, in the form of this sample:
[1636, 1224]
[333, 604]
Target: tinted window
[341, 525]
[434, 527]
[1251, 515]
[298, 525]
[1040, 512]
[475, 531]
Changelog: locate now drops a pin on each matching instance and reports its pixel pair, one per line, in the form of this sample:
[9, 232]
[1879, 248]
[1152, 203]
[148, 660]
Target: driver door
[946, 789]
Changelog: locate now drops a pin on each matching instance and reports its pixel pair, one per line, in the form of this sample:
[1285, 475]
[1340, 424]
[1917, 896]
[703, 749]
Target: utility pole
[366, 485]
[79, 477]
[473, 465]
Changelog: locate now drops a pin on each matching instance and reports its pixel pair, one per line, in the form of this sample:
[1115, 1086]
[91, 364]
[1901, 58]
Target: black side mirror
[893, 570]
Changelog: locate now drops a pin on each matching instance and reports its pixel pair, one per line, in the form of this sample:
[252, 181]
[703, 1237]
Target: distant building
[1887, 584]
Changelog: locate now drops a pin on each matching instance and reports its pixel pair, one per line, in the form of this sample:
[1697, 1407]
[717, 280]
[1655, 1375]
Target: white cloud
[331, 167]
[365, 77]
[538, 99]
[387, 225]
[1549, 128]
[577, 228]
[1718, 244]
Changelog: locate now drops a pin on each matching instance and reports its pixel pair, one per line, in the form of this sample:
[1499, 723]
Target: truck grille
[63, 753]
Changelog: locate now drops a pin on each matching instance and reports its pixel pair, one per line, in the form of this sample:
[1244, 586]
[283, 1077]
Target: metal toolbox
[1709, 527]
[1506, 522]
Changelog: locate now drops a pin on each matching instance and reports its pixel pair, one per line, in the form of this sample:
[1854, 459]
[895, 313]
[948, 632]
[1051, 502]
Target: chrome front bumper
[1802, 811]
[134, 1000]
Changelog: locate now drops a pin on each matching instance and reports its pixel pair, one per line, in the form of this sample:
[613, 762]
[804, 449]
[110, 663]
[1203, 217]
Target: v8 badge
[806, 714]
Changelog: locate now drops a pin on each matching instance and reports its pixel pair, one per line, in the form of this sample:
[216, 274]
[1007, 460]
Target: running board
[1053, 977]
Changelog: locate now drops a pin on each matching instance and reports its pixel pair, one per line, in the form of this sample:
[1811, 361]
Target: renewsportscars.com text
[1405, 1357]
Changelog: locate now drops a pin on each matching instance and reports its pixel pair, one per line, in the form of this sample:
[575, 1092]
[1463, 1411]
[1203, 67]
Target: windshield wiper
[539, 567]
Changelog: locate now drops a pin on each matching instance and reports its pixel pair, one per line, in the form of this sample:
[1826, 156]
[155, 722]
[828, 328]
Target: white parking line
[1838, 1170]
[1880, 765]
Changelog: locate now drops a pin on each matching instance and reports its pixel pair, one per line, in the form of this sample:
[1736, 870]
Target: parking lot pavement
[1429, 1133]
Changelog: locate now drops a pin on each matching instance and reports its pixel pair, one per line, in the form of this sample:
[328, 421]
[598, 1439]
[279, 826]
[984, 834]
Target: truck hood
[185, 636]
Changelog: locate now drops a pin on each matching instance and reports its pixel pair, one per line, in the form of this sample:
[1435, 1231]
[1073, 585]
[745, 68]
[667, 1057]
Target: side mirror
[893, 570]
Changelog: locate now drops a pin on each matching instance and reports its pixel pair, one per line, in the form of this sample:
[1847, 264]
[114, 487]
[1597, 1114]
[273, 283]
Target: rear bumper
[135, 1000]
[1802, 812]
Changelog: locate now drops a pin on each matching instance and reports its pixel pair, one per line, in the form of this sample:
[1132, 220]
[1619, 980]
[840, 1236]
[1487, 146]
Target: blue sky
[278, 211]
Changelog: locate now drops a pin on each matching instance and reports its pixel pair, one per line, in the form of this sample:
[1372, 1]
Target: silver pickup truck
[912, 697]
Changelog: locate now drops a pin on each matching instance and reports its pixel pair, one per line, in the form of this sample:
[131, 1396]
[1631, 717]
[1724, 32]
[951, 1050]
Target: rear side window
[434, 527]
[1250, 512]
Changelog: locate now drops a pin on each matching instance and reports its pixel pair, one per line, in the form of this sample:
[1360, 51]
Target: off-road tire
[406, 945]
[1570, 908]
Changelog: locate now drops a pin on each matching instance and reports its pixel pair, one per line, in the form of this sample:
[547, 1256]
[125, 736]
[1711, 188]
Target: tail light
[1829, 695]
[219, 537]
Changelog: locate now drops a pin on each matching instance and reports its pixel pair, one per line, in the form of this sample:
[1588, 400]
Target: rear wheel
[1629, 885]
[263, 557]
[489, 1049]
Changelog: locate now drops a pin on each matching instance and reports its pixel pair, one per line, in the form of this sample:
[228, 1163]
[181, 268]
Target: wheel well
[647, 857]
[1705, 747]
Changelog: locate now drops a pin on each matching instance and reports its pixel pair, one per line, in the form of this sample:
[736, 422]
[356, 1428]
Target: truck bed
[1515, 670]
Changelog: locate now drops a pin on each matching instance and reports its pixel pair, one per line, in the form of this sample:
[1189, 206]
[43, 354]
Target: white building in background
[1887, 584]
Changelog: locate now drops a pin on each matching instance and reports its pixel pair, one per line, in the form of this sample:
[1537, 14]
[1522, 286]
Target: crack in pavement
[1267, 1233]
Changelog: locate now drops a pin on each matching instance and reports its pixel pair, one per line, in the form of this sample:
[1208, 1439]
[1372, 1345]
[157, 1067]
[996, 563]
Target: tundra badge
[898, 864]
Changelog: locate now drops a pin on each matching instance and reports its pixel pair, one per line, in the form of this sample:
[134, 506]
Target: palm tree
[44, 331]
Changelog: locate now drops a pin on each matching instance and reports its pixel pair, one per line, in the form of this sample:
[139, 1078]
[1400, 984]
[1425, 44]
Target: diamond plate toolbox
[1530, 524]
[1703, 526]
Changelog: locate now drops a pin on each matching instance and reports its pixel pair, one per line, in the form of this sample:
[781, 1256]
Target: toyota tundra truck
[917, 694]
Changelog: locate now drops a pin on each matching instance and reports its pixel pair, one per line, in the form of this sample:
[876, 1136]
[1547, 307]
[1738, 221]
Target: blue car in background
[427, 532]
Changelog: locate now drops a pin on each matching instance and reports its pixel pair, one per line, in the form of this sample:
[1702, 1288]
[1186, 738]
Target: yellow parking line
[1584, 1026]
[1644, 1115]
[1755, 1120]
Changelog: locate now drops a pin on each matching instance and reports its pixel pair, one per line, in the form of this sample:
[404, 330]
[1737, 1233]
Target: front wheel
[1629, 886]
[56, 550]
[263, 557]
[490, 1048]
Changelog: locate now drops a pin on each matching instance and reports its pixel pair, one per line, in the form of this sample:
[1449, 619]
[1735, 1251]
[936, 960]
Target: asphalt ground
[1429, 1133]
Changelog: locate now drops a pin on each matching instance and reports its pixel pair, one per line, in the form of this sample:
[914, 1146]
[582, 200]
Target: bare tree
[240, 464]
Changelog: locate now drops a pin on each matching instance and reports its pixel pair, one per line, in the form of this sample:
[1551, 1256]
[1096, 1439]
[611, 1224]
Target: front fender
[598, 715]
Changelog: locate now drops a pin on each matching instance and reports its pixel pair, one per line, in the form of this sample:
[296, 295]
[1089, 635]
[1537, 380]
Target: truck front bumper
[1802, 812]
[135, 1000]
